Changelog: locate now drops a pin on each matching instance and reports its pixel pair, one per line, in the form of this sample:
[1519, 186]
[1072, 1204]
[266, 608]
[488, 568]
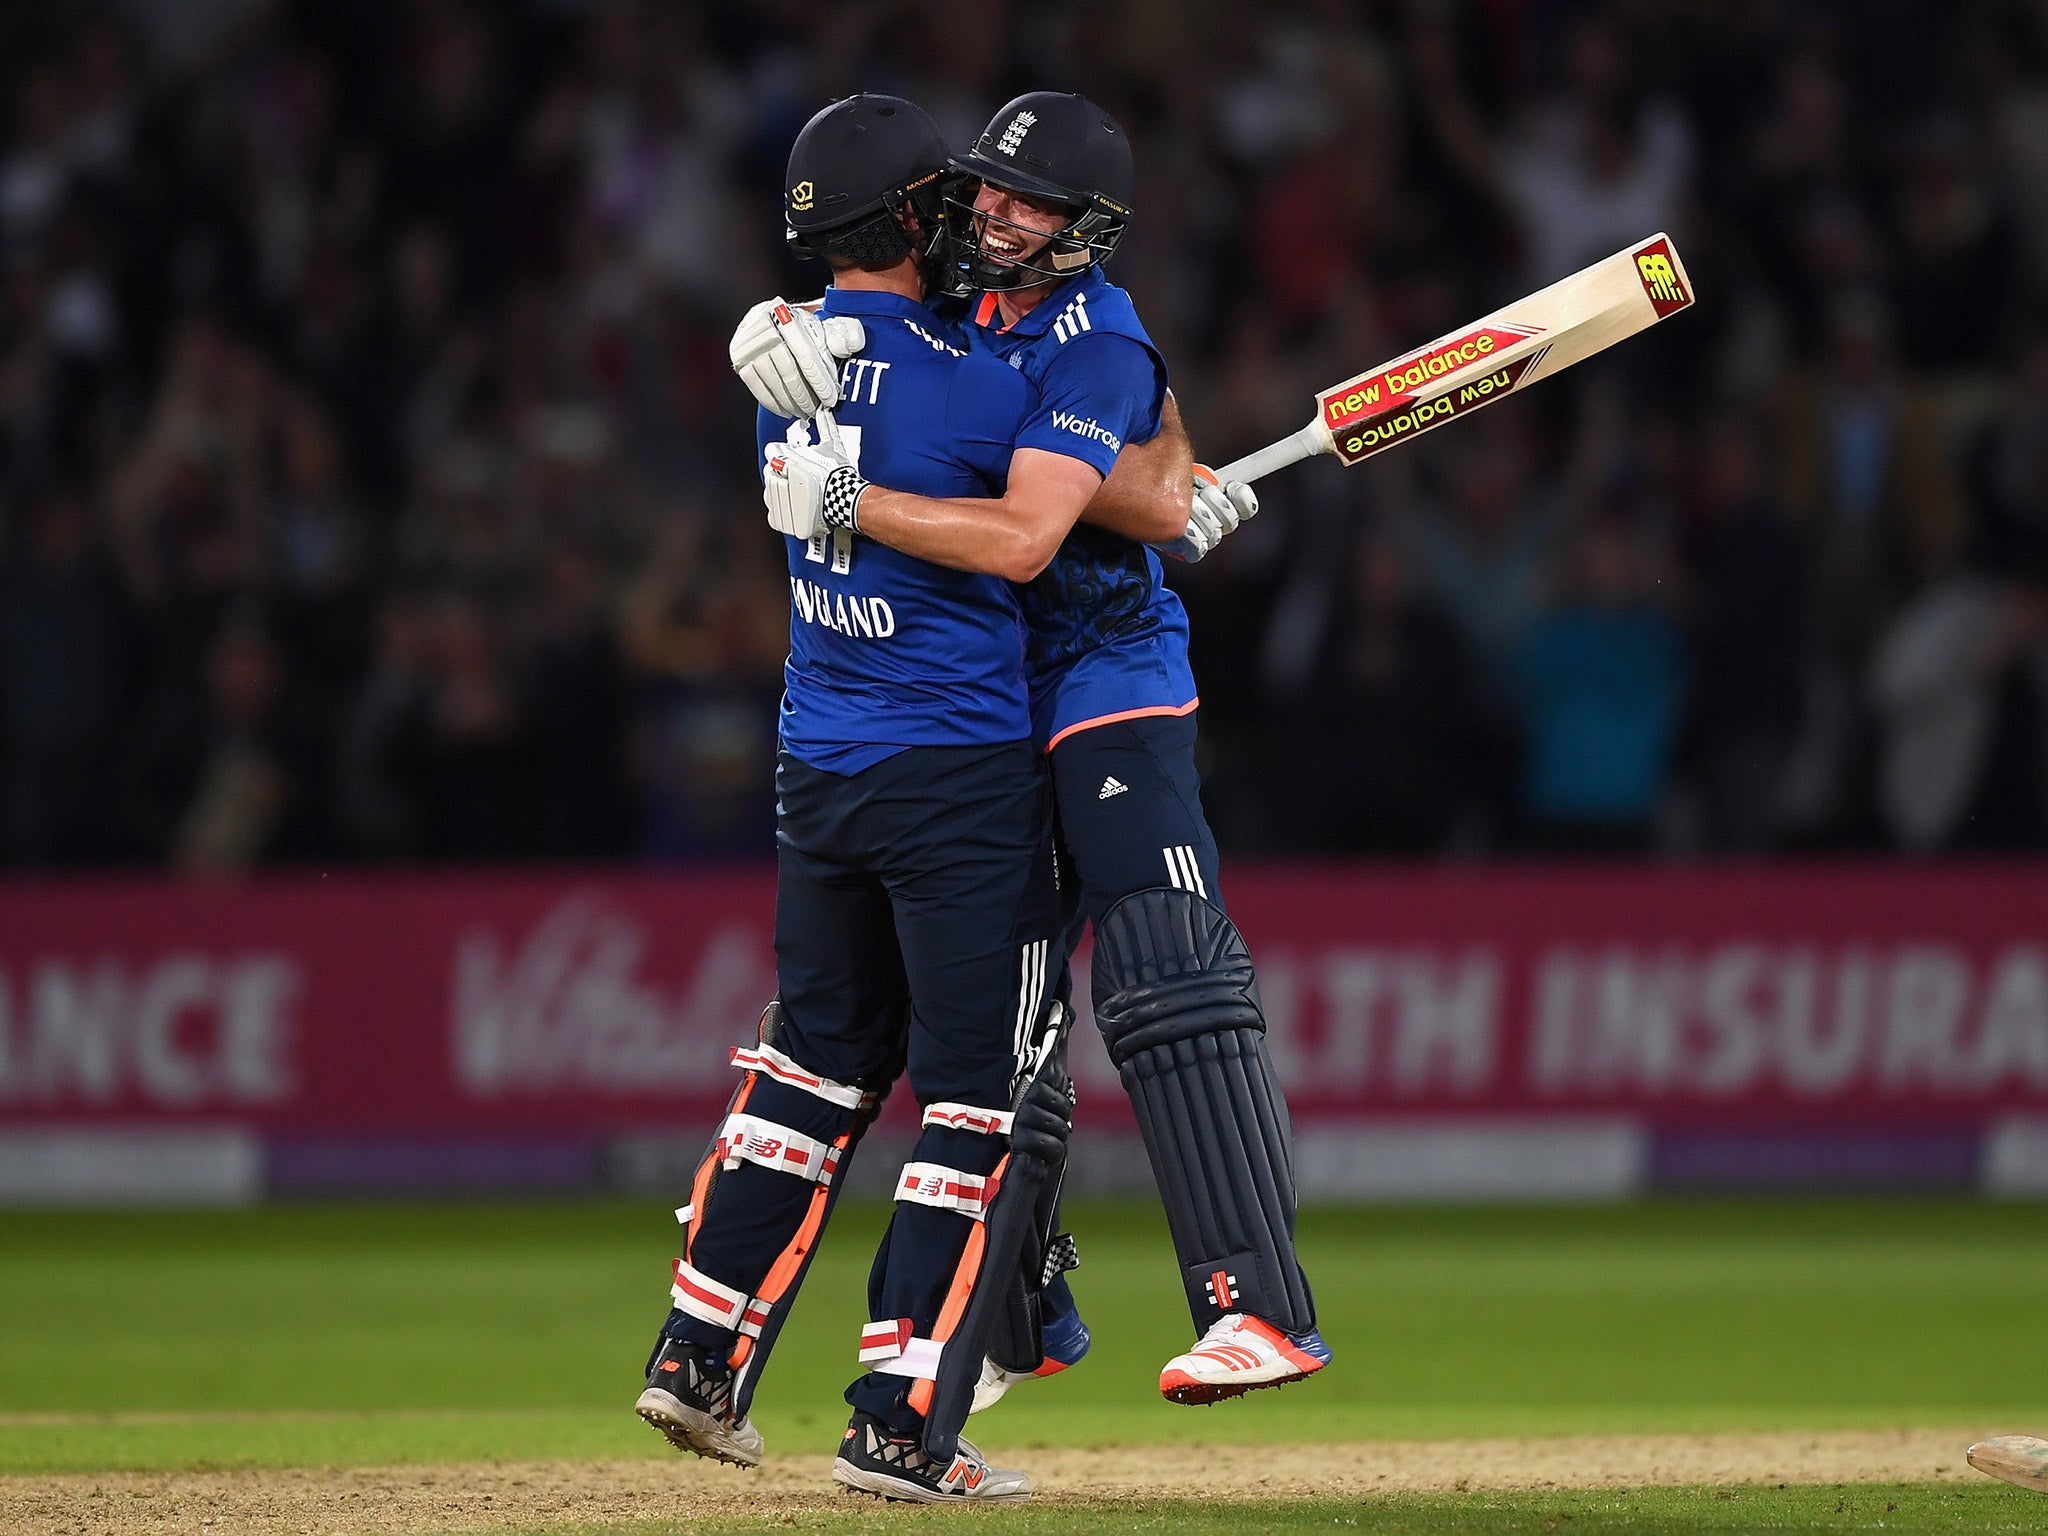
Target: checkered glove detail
[796, 483]
[1061, 1255]
[842, 498]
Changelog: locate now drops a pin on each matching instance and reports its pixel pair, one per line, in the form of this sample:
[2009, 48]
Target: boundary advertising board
[1582, 1030]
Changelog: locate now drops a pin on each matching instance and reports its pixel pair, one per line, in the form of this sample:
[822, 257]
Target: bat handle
[1291, 449]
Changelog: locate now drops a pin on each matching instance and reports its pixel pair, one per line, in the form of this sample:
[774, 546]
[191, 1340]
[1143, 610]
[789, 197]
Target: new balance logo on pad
[1112, 786]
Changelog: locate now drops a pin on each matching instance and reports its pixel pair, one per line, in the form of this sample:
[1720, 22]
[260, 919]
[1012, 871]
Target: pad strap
[705, 1298]
[770, 1062]
[969, 1117]
[720, 1305]
[749, 1138]
[755, 1317]
[950, 1189]
[893, 1349]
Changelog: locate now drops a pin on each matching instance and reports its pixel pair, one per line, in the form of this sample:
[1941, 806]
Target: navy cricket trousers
[916, 924]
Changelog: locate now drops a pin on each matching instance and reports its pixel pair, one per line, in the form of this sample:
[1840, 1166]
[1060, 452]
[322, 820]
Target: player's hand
[1214, 510]
[810, 488]
[789, 359]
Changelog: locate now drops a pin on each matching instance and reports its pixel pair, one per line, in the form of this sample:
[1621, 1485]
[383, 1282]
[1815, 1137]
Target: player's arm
[1013, 536]
[1147, 494]
[1153, 491]
[1157, 494]
[810, 489]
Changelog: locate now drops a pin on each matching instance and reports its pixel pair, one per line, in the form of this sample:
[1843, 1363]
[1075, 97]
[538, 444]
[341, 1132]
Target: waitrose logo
[1087, 426]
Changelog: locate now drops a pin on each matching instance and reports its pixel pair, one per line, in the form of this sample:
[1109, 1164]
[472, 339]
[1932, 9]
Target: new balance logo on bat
[1087, 426]
[1658, 270]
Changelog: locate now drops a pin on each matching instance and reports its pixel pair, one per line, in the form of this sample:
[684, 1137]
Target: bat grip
[1292, 449]
[828, 429]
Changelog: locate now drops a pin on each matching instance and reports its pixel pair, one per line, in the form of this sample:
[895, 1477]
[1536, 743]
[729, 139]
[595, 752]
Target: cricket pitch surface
[684, 1493]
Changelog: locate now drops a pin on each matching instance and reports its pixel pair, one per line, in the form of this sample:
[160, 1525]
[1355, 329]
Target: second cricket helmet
[1063, 149]
[857, 168]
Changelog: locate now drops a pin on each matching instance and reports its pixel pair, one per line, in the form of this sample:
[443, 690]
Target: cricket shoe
[689, 1399]
[1239, 1354]
[1066, 1341]
[871, 1460]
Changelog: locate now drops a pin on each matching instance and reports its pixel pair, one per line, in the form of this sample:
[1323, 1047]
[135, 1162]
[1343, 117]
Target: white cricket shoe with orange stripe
[1239, 1354]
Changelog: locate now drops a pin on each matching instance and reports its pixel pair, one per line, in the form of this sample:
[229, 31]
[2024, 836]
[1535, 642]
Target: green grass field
[338, 1335]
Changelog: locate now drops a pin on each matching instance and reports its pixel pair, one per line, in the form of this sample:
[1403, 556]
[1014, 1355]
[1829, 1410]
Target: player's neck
[1013, 304]
[903, 278]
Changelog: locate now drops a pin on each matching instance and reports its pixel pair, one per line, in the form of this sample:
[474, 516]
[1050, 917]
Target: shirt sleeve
[1097, 394]
[768, 428]
[988, 403]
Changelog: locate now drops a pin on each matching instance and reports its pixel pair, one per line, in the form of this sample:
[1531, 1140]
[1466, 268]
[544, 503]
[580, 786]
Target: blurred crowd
[373, 485]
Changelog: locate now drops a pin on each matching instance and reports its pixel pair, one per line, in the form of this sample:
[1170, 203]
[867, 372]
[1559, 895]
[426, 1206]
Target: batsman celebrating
[916, 907]
[1113, 703]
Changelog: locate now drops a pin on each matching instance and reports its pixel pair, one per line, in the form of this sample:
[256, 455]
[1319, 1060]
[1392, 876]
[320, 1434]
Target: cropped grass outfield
[365, 1335]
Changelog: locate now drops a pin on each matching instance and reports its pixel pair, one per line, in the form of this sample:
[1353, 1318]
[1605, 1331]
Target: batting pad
[1178, 1006]
[981, 1313]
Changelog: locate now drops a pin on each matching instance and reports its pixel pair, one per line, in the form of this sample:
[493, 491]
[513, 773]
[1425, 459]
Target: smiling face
[1013, 227]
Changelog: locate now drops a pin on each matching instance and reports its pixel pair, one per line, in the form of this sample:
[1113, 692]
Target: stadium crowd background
[373, 485]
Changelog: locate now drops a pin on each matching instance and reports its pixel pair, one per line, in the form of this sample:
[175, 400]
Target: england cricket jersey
[887, 651]
[1107, 638]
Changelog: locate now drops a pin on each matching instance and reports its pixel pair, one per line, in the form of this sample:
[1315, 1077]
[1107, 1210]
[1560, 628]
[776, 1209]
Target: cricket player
[1113, 704]
[916, 907]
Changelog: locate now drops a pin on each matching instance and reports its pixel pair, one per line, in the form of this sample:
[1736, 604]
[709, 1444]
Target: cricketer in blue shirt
[1108, 638]
[887, 651]
[916, 906]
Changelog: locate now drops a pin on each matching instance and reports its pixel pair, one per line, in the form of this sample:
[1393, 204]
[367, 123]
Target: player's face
[1014, 227]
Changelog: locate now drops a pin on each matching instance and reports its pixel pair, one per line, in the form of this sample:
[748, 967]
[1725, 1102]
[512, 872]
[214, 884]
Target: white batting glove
[810, 488]
[789, 359]
[1214, 510]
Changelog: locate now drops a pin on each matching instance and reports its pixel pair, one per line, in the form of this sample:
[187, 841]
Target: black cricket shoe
[871, 1460]
[689, 1399]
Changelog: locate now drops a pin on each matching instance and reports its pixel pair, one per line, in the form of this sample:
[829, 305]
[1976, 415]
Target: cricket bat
[1507, 351]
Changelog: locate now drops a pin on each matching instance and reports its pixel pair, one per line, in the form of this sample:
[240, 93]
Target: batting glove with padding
[789, 358]
[1215, 509]
[809, 489]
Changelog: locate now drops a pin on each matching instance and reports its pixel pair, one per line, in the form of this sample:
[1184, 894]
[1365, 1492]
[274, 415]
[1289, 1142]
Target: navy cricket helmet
[1062, 149]
[866, 181]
